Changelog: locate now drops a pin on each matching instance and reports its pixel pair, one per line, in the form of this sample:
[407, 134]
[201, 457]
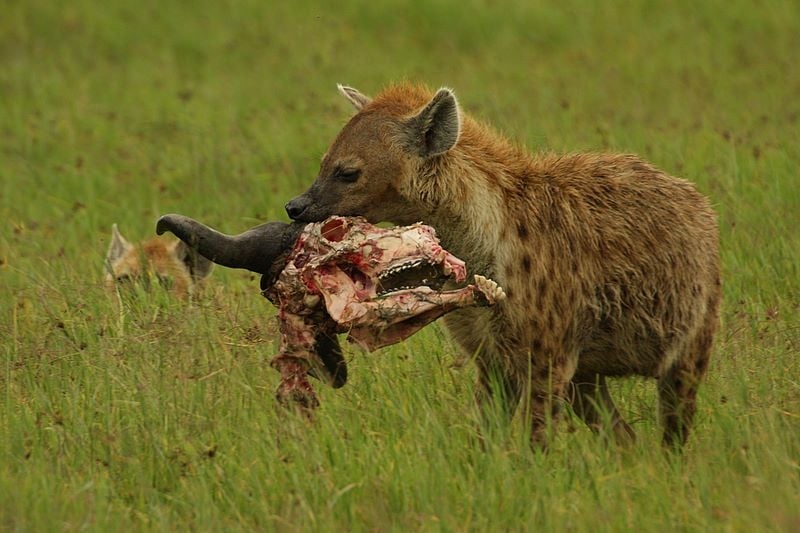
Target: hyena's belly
[623, 349]
[626, 346]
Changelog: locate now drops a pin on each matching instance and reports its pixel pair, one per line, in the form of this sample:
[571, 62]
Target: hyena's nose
[296, 206]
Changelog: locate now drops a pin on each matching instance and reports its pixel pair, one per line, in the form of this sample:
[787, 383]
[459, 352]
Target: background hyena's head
[168, 263]
[384, 159]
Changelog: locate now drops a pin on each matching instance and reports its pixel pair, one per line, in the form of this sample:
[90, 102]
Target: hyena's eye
[347, 175]
[124, 278]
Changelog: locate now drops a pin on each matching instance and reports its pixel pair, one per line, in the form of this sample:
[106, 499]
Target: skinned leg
[294, 390]
[296, 356]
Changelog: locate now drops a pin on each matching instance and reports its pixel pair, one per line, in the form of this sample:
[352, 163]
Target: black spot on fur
[542, 289]
[526, 263]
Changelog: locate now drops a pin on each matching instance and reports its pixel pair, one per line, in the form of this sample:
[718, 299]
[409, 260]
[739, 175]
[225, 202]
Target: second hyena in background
[611, 266]
[167, 262]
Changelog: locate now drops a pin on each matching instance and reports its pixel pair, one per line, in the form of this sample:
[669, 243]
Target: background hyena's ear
[356, 98]
[199, 267]
[436, 128]
[119, 245]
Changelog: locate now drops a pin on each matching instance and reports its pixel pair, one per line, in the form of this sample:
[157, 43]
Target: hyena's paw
[487, 292]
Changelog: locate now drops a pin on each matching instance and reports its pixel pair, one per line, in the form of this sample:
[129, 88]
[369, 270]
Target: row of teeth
[402, 268]
[422, 283]
[405, 288]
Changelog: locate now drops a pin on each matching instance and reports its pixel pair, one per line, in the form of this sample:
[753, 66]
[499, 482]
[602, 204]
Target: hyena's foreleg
[549, 375]
[592, 402]
[498, 390]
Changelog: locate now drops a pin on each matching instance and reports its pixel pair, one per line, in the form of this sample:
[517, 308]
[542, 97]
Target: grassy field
[157, 414]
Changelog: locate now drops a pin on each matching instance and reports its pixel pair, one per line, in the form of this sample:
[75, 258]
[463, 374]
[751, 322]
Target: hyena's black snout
[297, 206]
[307, 208]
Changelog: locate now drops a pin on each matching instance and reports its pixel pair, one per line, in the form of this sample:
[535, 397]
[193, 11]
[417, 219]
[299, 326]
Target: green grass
[157, 414]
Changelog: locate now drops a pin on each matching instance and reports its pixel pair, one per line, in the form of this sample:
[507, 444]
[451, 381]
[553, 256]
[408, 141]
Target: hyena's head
[168, 263]
[399, 138]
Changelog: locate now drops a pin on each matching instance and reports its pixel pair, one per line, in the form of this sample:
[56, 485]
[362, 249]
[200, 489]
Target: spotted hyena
[611, 265]
[169, 262]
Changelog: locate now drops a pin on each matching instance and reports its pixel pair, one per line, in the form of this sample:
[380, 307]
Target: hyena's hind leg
[592, 402]
[677, 389]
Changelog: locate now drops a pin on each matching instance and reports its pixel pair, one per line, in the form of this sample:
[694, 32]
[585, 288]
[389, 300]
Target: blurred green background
[152, 413]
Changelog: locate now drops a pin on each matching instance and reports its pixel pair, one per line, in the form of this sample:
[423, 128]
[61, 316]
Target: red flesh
[330, 283]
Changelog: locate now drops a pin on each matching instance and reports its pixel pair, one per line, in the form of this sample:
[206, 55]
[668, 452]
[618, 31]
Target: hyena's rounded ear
[354, 96]
[119, 245]
[436, 128]
[198, 266]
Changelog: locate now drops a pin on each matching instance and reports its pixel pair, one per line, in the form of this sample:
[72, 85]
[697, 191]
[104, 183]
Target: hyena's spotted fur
[168, 262]
[611, 266]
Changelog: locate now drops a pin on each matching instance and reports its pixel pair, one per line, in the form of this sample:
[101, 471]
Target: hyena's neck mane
[471, 191]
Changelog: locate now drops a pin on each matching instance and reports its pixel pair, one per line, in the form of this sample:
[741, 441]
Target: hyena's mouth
[411, 275]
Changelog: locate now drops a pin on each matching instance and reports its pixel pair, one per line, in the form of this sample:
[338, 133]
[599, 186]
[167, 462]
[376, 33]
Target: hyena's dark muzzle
[297, 206]
[305, 208]
[319, 202]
